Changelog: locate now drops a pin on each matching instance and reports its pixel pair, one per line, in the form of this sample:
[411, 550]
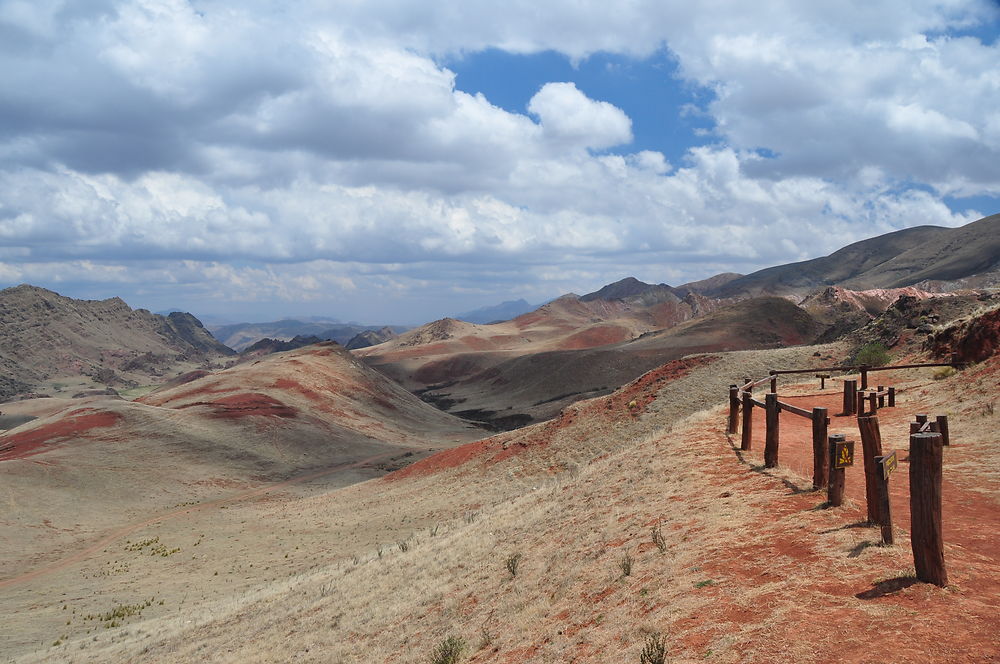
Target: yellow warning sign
[843, 454]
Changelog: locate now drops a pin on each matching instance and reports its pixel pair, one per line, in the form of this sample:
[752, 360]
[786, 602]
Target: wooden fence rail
[927, 438]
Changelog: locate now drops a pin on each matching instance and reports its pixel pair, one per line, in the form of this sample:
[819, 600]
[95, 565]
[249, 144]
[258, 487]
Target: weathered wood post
[925, 508]
[955, 362]
[822, 380]
[734, 408]
[871, 446]
[914, 427]
[864, 376]
[942, 425]
[835, 487]
[774, 382]
[921, 418]
[881, 396]
[821, 459]
[872, 402]
[747, 436]
[860, 409]
[850, 398]
[771, 431]
[892, 397]
[747, 385]
[886, 465]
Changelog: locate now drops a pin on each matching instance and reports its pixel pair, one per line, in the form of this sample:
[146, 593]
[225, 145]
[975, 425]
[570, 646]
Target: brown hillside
[930, 257]
[86, 467]
[748, 558]
[50, 342]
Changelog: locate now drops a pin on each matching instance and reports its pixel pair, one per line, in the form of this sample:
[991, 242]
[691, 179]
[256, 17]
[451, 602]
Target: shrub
[873, 354]
[626, 564]
[944, 372]
[513, 562]
[449, 651]
[658, 539]
[655, 650]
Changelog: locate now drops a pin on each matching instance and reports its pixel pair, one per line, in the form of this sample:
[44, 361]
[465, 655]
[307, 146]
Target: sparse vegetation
[873, 354]
[116, 616]
[626, 564]
[944, 372]
[655, 650]
[513, 562]
[449, 651]
[658, 540]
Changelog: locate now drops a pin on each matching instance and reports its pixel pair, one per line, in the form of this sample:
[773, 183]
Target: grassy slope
[749, 567]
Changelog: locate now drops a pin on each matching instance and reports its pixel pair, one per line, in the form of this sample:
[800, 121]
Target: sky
[397, 161]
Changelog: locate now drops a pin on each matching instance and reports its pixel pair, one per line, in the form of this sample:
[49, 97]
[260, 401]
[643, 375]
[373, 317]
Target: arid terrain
[302, 505]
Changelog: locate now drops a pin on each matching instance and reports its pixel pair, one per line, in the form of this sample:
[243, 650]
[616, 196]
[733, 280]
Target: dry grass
[745, 561]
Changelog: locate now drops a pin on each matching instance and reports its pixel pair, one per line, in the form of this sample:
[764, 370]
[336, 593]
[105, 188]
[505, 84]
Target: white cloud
[281, 154]
[569, 118]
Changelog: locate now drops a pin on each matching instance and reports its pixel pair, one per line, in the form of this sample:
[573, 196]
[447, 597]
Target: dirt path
[944, 624]
[83, 554]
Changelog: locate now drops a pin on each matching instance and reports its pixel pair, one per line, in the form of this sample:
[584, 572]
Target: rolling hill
[53, 343]
[85, 467]
[930, 257]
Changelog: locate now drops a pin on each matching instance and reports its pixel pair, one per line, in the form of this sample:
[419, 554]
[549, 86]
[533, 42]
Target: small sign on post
[888, 464]
[835, 487]
[843, 454]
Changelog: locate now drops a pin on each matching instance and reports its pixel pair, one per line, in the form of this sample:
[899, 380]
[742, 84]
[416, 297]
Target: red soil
[599, 335]
[73, 425]
[250, 403]
[965, 614]
[158, 399]
[244, 404]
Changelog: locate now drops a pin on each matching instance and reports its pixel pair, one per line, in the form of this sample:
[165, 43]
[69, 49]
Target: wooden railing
[926, 440]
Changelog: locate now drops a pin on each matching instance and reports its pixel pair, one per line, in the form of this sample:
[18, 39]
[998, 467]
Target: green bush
[873, 354]
[449, 651]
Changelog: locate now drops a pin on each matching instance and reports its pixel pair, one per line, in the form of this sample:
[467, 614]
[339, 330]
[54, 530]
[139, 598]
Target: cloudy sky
[394, 161]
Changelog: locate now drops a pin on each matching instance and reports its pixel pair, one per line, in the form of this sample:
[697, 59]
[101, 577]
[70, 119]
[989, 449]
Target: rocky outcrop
[974, 340]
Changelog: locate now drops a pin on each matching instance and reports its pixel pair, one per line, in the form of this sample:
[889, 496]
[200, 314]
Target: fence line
[832, 453]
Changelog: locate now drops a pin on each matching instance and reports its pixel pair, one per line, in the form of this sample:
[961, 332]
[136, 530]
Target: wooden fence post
[774, 382]
[921, 418]
[734, 408]
[771, 430]
[821, 458]
[747, 435]
[881, 397]
[835, 487]
[860, 409]
[850, 398]
[864, 376]
[892, 397]
[925, 508]
[871, 445]
[942, 425]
